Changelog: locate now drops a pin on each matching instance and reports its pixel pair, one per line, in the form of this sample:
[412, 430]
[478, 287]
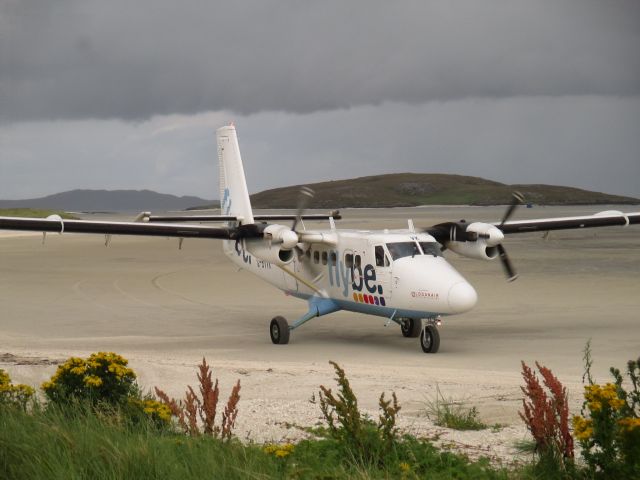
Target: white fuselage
[382, 273]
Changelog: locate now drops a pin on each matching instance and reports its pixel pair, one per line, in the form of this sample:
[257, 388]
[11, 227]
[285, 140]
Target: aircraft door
[290, 282]
[383, 271]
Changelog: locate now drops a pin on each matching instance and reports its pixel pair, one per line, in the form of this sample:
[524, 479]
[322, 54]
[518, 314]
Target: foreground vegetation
[96, 423]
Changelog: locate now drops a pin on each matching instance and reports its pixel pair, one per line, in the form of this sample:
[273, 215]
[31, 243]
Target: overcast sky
[120, 94]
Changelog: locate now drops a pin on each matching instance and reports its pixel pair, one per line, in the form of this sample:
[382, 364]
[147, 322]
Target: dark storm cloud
[588, 142]
[69, 59]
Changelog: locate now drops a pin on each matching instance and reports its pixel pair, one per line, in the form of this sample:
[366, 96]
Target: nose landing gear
[430, 337]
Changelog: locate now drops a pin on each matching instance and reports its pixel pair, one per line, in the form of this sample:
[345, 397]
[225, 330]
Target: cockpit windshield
[411, 249]
[403, 249]
[431, 248]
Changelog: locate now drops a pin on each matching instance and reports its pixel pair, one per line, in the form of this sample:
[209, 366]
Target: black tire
[411, 327]
[430, 339]
[279, 330]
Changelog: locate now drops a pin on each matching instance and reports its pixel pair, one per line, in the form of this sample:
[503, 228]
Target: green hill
[412, 189]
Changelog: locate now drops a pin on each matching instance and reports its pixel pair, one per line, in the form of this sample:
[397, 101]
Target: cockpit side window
[403, 249]
[348, 260]
[431, 248]
[381, 259]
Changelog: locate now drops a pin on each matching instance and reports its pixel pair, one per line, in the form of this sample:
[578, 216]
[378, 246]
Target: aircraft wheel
[279, 330]
[411, 327]
[430, 339]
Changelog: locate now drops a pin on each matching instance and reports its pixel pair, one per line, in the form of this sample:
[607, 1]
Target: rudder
[234, 196]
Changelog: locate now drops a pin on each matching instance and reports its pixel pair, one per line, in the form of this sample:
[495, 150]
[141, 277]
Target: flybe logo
[361, 279]
[226, 202]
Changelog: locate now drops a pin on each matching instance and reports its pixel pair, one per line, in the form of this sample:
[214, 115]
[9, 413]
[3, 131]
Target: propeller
[492, 235]
[516, 199]
[289, 238]
[306, 194]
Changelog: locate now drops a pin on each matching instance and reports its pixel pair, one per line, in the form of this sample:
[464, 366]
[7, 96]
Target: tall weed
[196, 414]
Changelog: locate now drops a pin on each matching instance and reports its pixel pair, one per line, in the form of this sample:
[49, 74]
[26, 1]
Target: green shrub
[453, 414]
[609, 428]
[103, 378]
[14, 395]
[365, 440]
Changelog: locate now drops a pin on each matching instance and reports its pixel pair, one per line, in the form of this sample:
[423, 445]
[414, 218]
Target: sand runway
[165, 309]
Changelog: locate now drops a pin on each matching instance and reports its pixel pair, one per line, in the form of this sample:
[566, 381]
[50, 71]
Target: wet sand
[164, 309]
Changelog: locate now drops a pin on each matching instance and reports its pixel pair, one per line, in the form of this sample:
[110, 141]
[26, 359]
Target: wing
[128, 228]
[603, 219]
[226, 218]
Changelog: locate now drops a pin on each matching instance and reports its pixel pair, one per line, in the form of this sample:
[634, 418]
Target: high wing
[484, 240]
[229, 218]
[603, 219]
[128, 228]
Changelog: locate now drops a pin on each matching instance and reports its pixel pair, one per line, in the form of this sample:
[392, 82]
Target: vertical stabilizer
[234, 196]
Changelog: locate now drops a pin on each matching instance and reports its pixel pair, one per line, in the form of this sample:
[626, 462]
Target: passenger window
[332, 258]
[348, 260]
[358, 261]
[324, 258]
[316, 257]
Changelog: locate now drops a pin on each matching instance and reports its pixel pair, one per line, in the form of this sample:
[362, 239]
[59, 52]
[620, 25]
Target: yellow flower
[78, 370]
[4, 378]
[629, 424]
[92, 381]
[280, 451]
[598, 397]
[270, 448]
[405, 467]
[582, 428]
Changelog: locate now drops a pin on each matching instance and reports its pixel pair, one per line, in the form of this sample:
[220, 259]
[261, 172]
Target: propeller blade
[516, 199]
[506, 264]
[306, 194]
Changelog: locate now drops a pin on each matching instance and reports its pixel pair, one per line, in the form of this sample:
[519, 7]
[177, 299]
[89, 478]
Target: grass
[33, 213]
[453, 414]
[73, 442]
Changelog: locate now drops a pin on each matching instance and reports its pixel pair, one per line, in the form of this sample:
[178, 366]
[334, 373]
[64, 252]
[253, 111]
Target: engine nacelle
[269, 251]
[282, 236]
[490, 234]
[478, 249]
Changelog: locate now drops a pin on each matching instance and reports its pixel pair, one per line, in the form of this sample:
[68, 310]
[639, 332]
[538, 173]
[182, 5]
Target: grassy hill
[412, 189]
[33, 213]
[107, 201]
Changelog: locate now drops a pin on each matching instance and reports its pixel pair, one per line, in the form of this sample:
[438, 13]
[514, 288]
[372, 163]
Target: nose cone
[462, 297]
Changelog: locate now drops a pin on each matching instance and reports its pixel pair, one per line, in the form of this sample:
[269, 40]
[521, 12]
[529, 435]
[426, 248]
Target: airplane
[401, 275]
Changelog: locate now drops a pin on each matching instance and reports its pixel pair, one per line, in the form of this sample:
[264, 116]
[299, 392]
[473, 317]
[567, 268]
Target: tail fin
[234, 196]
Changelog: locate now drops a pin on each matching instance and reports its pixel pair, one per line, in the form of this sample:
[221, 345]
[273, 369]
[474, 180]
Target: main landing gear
[279, 330]
[411, 327]
[428, 332]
